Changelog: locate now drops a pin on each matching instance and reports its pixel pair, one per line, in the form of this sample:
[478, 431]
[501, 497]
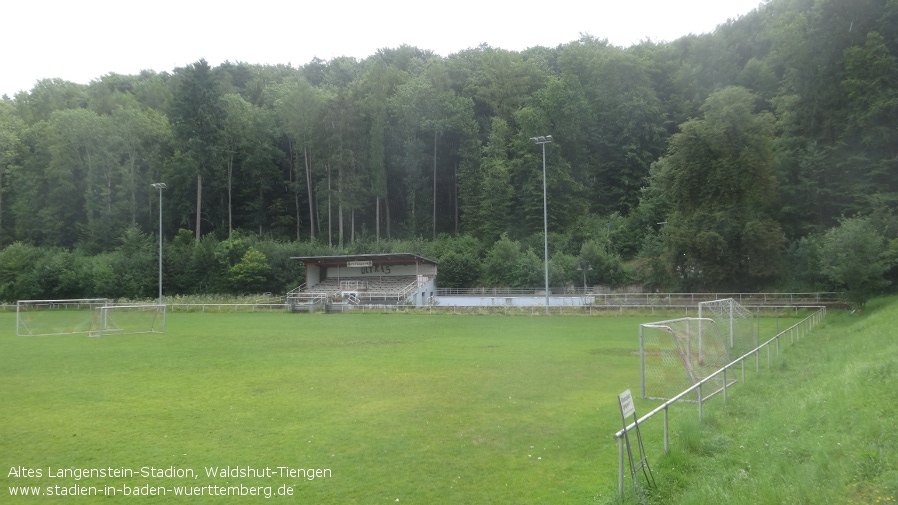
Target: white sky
[82, 40]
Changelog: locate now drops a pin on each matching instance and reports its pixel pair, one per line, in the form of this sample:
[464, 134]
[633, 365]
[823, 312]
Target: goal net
[735, 322]
[127, 320]
[678, 353]
[55, 317]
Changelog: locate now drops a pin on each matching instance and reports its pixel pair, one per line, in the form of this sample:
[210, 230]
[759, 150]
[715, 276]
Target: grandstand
[337, 283]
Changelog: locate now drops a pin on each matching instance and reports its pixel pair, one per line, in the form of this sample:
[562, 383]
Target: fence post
[620, 465]
[666, 450]
[699, 402]
[724, 384]
[642, 359]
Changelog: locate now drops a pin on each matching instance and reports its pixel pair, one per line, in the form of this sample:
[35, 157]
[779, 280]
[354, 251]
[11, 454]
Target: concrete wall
[514, 301]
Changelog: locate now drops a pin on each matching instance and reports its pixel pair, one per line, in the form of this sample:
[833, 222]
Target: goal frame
[681, 357]
[24, 330]
[100, 322]
[731, 317]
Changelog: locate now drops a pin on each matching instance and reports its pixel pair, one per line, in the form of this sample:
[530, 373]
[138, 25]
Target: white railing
[496, 291]
[796, 331]
[226, 307]
[296, 290]
[605, 298]
[270, 298]
[407, 291]
[308, 298]
[609, 309]
[353, 285]
[401, 296]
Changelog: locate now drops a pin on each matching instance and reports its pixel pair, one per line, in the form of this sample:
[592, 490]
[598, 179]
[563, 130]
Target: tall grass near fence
[819, 427]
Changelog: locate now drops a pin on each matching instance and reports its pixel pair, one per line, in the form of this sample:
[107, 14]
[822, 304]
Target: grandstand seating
[388, 290]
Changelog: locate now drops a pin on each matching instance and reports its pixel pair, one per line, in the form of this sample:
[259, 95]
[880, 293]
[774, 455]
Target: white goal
[56, 317]
[678, 353]
[735, 322]
[127, 320]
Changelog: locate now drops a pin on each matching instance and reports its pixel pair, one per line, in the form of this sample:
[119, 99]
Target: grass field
[411, 408]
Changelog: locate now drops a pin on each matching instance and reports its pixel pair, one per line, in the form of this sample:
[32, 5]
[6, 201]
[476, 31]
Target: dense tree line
[714, 162]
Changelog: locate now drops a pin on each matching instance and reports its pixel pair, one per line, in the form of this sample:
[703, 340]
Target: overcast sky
[82, 40]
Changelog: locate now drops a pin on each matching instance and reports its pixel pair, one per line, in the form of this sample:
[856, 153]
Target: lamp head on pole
[542, 139]
[158, 185]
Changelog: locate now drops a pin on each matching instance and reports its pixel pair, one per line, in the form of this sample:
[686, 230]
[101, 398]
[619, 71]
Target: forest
[761, 156]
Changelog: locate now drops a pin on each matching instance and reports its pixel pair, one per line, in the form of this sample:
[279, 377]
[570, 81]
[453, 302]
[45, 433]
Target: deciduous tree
[11, 127]
[852, 257]
[718, 179]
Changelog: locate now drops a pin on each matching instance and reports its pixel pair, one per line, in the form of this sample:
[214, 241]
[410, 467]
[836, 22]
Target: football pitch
[337, 408]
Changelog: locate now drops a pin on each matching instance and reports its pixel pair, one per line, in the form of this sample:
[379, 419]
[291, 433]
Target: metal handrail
[307, 298]
[203, 306]
[296, 290]
[639, 297]
[408, 290]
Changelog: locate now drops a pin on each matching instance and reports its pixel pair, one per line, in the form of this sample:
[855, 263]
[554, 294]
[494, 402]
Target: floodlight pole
[543, 141]
[160, 186]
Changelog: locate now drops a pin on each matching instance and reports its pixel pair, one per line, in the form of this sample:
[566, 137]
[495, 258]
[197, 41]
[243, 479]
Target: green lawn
[410, 407]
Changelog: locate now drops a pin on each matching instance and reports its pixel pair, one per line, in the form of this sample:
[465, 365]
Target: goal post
[678, 353]
[127, 320]
[56, 317]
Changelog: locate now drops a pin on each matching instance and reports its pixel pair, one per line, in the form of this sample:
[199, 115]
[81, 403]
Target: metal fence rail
[609, 309]
[530, 310]
[598, 299]
[605, 296]
[227, 307]
[794, 332]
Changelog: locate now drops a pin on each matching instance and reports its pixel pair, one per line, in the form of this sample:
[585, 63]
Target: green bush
[250, 274]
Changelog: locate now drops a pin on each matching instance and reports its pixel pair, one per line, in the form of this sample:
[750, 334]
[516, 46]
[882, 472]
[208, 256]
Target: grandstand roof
[375, 259]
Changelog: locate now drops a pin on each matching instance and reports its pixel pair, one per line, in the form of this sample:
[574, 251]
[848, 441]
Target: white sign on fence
[626, 404]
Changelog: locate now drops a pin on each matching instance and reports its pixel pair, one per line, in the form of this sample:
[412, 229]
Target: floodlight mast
[160, 186]
[543, 140]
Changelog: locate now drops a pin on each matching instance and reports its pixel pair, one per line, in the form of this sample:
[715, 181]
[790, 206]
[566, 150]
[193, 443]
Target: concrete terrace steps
[360, 290]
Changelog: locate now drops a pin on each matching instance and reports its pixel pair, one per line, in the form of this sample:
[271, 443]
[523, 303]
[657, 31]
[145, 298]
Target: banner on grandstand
[356, 264]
